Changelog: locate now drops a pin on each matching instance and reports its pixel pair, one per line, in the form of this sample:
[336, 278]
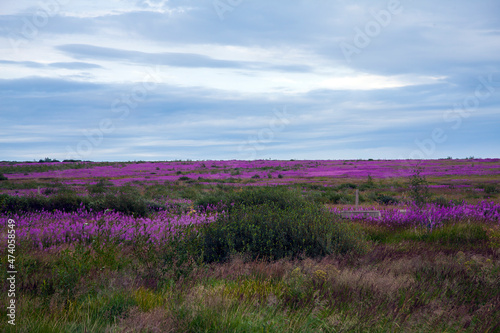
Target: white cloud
[220, 80]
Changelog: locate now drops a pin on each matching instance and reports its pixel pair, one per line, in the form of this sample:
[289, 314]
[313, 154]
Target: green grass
[36, 168]
[276, 261]
[387, 289]
[453, 235]
[125, 200]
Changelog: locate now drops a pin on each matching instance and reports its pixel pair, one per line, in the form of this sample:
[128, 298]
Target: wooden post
[357, 198]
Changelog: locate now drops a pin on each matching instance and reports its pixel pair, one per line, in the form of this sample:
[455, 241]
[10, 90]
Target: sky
[125, 80]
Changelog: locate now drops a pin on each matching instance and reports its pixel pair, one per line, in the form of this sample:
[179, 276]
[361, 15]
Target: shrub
[48, 160]
[251, 196]
[100, 187]
[2, 177]
[368, 185]
[442, 201]
[316, 196]
[272, 231]
[339, 198]
[37, 202]
[347, 186]
[488, 189]
[386, 199]
[419, 188]
[127, 203]
[364, 187]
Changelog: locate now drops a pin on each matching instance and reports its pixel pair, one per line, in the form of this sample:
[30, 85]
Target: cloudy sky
[249, 79]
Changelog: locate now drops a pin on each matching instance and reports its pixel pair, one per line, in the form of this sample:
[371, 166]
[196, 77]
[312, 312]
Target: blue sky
[240, 79]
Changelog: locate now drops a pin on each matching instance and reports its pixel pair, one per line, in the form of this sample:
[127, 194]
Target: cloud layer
[159, 80]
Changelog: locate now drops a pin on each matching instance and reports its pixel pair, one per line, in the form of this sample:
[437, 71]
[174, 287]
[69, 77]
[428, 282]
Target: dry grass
[158, 320]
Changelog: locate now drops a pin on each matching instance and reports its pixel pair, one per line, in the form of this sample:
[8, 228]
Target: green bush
[2, 177]
[316, 196]
[347, 186]
[270, 230]
[124, 202]
[442, 201]
[100, 187]
[47, 160]
[418, 187]
[250, 196]
[386, 199]
[340, 198]
[488, 189]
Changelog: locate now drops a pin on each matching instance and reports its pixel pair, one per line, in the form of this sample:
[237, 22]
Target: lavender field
[162, 246]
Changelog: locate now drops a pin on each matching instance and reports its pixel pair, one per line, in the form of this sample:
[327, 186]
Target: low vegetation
[271, 259]
[277, 224]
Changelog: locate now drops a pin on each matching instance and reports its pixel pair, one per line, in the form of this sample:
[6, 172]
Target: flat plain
[253, 246]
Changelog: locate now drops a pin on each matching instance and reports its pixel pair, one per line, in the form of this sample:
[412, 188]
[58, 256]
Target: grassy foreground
[407, 286]
[274, 262]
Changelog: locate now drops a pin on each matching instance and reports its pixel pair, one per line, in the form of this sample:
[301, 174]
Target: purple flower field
[461, 180]
[291, 171]
[432, 215]
[49, 230]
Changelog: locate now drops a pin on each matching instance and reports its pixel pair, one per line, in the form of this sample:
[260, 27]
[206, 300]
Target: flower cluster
[48, 229]
[433, 215]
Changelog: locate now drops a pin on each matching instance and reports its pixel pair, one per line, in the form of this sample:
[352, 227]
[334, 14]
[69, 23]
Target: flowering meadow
[432, 215]
[48, 230]
[170, 246]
